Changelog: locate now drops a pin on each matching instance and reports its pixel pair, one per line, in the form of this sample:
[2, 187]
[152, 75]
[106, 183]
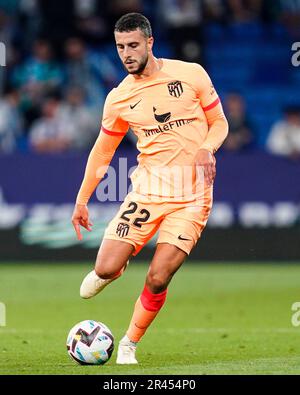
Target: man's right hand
[80, 217]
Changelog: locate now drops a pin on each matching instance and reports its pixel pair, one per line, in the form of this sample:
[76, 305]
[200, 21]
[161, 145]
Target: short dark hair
[134, 21]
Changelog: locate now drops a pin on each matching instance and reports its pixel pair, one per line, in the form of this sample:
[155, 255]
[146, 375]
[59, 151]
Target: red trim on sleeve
[112, 133]
[211, 105]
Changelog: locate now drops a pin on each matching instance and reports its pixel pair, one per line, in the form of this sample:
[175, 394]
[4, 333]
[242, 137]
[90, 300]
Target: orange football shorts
[178, 223]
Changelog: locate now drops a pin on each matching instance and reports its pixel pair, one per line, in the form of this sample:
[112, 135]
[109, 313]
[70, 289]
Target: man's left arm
[218, 130]
[217, 126]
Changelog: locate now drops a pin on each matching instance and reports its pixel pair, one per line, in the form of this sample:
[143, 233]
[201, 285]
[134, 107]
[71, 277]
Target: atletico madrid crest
[122, 229]
[175, 88]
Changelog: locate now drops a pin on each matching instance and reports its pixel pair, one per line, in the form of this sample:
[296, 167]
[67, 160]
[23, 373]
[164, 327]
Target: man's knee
[109, 269]
[112, 258]
[105, 273]
[157, 282]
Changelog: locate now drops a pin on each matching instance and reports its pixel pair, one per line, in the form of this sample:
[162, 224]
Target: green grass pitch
[218, 319]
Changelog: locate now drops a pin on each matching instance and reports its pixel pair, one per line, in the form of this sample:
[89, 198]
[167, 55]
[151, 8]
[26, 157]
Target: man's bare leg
[112, 259]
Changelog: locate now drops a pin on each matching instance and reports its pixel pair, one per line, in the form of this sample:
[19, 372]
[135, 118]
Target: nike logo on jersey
[183, 238]
[134, 105]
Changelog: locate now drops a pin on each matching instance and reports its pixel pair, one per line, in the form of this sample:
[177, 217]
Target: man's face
[133, 49]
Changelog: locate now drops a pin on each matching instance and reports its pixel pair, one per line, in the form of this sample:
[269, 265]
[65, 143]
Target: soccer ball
[90, 343]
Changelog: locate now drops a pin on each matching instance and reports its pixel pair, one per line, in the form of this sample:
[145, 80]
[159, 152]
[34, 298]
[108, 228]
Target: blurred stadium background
[60, 64]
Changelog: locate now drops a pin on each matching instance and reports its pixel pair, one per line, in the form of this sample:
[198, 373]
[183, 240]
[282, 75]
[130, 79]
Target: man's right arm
[97, 164]
[112, 132]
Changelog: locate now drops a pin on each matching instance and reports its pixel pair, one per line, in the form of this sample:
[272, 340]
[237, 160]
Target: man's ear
[150, 43]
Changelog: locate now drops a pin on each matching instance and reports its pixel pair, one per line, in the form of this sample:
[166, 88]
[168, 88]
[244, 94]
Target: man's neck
[152, 67]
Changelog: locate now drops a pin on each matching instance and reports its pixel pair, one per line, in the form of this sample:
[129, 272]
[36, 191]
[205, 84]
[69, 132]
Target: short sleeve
[204, 87]
[112, 123]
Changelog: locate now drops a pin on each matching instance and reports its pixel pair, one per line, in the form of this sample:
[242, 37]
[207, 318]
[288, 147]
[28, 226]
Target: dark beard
[141, 67]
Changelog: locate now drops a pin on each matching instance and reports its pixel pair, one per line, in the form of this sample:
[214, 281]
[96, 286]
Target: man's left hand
[205, 159]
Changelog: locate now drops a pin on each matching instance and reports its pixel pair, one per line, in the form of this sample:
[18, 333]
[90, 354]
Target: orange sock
[145, 310]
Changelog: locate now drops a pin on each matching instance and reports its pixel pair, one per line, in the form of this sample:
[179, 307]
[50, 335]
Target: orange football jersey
[166, 111]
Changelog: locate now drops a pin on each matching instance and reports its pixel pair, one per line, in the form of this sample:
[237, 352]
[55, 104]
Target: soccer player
[176, 114]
